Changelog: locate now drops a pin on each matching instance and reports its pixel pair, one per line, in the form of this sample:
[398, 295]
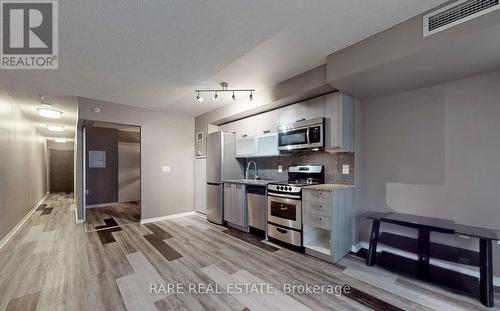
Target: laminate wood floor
[113, 215]
[53, 264]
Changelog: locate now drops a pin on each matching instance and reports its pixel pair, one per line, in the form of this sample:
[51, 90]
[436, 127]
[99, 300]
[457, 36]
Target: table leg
[486, 273]
[424, 247]
[372, 250]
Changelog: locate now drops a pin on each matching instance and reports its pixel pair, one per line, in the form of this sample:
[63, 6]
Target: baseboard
[148, 220]
[20, 224]
[101, 205]
[468, 270]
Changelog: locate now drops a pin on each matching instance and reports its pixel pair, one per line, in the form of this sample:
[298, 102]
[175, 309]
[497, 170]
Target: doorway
[61, 171]
[112, 175]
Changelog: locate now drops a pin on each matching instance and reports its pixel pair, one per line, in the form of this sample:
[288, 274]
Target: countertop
[328, 187]
[252, 182]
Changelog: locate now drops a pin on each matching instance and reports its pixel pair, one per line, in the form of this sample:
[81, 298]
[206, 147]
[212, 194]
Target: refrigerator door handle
[214, 183]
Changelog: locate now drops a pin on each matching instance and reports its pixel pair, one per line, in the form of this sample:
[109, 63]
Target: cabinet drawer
[317, 196]
[323, 222]
[317, 208]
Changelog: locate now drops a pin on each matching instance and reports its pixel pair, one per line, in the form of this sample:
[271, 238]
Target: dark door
[61, 170]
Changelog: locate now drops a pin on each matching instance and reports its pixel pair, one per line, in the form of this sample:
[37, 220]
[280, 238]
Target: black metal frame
[486, 290]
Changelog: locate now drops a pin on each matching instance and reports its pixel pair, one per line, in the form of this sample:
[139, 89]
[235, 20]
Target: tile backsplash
[333, 162]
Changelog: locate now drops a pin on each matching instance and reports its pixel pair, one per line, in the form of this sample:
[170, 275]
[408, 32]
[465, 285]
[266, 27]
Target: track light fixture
[223, 89]
[199, 98]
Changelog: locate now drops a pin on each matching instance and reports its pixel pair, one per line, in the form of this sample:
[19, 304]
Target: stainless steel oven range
[284, 204]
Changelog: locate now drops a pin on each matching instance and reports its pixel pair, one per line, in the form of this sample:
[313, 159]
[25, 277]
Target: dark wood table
[425, 225]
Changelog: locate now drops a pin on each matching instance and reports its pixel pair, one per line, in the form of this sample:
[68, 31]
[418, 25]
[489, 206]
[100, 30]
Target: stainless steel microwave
[307, 134]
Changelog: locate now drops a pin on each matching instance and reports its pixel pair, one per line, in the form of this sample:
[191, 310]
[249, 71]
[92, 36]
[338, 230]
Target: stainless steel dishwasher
[257, 207]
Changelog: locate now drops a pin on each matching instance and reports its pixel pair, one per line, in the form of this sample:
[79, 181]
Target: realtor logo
[29, 34]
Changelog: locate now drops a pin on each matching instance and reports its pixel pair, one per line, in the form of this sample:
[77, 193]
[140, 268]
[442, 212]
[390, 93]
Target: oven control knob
[280, 188]
[289, 188]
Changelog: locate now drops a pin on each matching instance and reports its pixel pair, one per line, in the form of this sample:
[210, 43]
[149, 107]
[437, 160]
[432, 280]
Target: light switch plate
[345, 169]
[165, 169]
[280, 168]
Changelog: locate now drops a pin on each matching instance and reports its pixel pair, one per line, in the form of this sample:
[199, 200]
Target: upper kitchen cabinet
[306, 110]
[339, 122]
[267, 122]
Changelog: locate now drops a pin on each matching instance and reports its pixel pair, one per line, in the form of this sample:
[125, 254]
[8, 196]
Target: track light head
[234, 97]
[215, 97]
[251, 96]
[199, 98]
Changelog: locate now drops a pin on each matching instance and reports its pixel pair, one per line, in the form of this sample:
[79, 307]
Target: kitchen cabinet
[291, 114]
[305, 110]
[328, 222]
[337, 109]
[264, 145]
[246, 147]
[268, 122]
[235, 207]
[339, 122]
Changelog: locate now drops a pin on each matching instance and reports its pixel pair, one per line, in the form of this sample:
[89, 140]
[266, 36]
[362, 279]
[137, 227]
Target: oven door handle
[286, 196]
[307, 135]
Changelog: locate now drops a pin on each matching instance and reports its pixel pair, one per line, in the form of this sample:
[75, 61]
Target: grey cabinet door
[228, 202]
[267, 122]
[339, 121]
[239, 205]
[291, 114]
[314, 108]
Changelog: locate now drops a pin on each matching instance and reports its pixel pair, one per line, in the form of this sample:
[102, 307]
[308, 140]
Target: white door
[200, 185]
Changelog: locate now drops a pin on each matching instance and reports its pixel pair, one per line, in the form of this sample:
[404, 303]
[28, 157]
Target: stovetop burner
[298, 177]
[300, 182]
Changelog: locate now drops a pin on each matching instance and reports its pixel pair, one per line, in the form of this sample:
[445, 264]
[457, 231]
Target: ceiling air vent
[456, 13]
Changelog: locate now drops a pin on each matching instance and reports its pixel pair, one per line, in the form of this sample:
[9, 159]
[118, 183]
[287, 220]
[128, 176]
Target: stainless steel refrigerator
[221, 165]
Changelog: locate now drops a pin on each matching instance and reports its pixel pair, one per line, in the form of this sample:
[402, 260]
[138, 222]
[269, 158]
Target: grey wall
[23, 164]
[435, 152]
[102, 183]
[304, 86]
[166, 140]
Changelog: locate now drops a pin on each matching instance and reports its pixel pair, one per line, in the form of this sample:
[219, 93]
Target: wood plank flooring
[54, 264]
[119, 214]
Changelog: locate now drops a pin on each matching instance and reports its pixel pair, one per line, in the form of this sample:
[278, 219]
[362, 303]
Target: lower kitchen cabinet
[235, 206]
[327, 223]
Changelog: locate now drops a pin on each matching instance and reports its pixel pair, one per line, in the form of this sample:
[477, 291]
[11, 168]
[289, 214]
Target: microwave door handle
[307, 134]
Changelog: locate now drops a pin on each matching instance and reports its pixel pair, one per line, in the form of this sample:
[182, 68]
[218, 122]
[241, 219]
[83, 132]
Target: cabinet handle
[303, 119]
[266, 131]
[281, 230]
[244, 135]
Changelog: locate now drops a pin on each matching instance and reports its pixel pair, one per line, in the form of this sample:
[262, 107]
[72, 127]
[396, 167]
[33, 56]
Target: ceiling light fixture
[224, 88]
[55, 128]
[199, 98]
[49, 113]
[60, 140]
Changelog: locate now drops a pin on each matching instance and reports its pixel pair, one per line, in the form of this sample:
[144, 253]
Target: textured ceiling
[153, 54]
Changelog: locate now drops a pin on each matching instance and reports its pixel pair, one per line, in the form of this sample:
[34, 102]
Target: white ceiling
[153, 54]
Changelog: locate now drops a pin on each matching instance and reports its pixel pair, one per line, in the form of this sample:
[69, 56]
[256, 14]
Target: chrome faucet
[255, 170]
